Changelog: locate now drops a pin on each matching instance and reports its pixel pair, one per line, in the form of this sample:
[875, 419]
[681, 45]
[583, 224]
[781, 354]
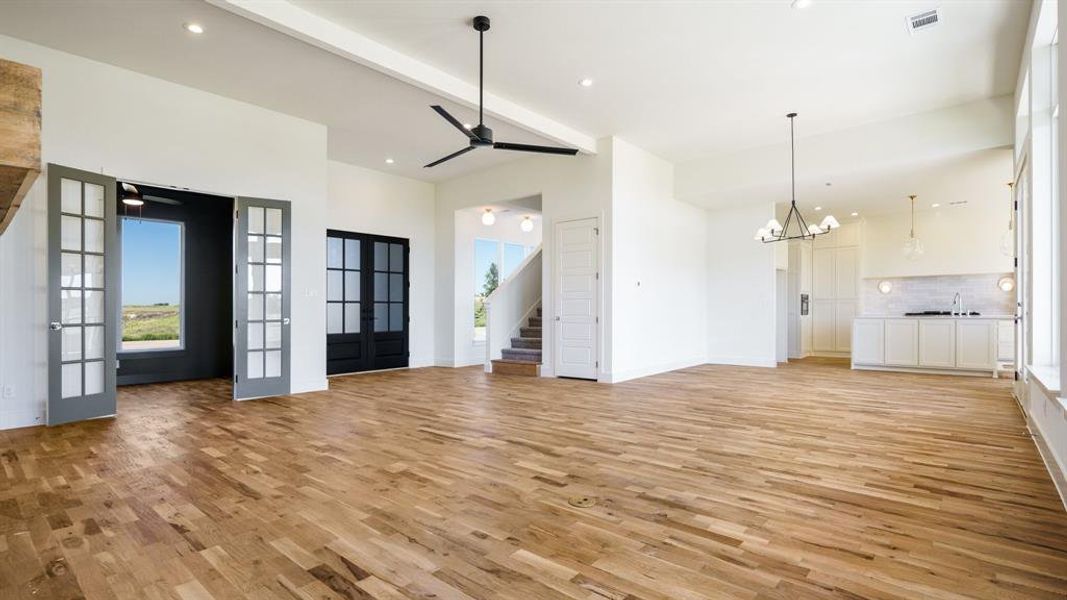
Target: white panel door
[577, 299]
[822, 318]
[868, 342]
[937, 343]
[976, 344]
[822, 273]
[902, 342]
[846, 273]
[844, 312]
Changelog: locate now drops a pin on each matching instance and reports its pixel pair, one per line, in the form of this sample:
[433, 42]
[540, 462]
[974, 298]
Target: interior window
[486, 278]
[152, 259]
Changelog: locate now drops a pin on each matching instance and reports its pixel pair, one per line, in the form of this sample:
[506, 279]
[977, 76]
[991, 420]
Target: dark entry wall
[208, 285]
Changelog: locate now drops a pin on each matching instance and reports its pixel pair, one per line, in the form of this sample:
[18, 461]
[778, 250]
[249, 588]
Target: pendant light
[527, 224]
[774, 231]
[913, 246]
[488, 218]
[1007, 241]
[131, 196]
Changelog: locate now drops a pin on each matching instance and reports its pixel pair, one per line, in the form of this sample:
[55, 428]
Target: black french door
[366, 302]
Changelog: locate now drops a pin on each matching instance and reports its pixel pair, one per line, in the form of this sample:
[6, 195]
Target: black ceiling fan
[480, 135]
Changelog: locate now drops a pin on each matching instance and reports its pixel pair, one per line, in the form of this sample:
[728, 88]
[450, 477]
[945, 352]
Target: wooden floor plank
[806, 481]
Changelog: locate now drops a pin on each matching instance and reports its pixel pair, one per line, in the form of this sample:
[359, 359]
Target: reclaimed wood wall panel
[20, 135]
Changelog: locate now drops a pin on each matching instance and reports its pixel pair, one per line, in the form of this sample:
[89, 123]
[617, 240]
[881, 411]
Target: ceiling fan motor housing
[485, 136]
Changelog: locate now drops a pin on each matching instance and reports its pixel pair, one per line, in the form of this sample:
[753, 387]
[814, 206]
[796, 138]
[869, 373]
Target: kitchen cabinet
[976, 344]
[902, 342]
[835, 287]
[937, 343]
[844, 313]
[823, 325]
[869, 346]
[950, 345]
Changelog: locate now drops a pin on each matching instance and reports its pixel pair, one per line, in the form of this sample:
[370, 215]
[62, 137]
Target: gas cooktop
[941, 313]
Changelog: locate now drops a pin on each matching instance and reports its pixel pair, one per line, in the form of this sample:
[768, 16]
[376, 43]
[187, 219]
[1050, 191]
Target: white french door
[577, 299]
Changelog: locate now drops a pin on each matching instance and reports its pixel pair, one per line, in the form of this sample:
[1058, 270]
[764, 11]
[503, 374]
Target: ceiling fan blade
[455, 123]
[450, 156]
[532, 148]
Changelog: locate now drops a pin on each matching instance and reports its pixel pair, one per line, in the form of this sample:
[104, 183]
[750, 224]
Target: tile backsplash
[914, 294]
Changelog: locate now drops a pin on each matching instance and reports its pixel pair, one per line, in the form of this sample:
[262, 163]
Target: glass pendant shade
[913, 248]
[761, 234]
[774, 226]
[814, 229]
[526, 225]
[829, 223]
[488, 218]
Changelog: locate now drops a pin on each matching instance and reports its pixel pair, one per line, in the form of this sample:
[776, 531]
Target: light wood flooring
[807, 481]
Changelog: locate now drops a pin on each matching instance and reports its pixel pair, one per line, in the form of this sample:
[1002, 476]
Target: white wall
[101, 118]
[741, 288]
[659, 283]
[468, 227]
[367, 201]
[958, 240]
[570, 188]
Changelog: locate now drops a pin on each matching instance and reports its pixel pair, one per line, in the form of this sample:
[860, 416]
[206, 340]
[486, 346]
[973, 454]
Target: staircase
[524, 355]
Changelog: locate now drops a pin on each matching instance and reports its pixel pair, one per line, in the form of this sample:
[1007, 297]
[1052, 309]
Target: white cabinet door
[868, 342]
[822, 335]
[822, 273]
[844, 313]
[937, 343]
[902, 342]
[846, 273]
[1006, 341]
[976, 344]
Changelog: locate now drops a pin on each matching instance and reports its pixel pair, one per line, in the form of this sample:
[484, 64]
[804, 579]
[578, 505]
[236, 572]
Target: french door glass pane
[71, 306]
[255, 365]
[396, 317]
[334, 286]
[396, 287]
[94, 235]
[255, 336]
[71, 376]
[334, 253]
[274, 307]
[255, 307]
[396, 258]
[381, 316]
[274, 221]
[70, 196]
[94, 306]
[72, 343]
[274, 278]
[334, 321]
[94, 342]
[70, 234]
[352, 286]
[255, 249]
[94, 200]
[274, 364]
[255, 219]
[255, 278]
[94, 377]
[70, 270]
[381, 287]
[351, 317]
[352, 253]
[273, 336]
[94, 271]
[381, 256]
[274, 250]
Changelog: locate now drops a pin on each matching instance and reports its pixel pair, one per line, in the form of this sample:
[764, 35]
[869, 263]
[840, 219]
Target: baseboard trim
[743, 361]
[1055, 470]
[620, 376]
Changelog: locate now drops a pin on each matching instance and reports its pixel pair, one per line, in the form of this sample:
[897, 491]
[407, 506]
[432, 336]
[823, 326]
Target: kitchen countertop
[968, 317]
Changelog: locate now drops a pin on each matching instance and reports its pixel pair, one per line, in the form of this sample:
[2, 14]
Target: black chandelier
[774, 231]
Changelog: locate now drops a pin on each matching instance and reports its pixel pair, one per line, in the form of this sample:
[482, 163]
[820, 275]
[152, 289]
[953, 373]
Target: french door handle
[55, 326]
[285, 321]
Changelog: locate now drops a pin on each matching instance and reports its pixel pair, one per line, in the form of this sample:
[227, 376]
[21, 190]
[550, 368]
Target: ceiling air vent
[923, 21]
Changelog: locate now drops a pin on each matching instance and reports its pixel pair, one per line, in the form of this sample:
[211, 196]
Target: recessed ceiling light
[934, 205]
[818, 208]
[586, 82]
[855, 214]
[828, 184]
[801, 4]
[196, 28]
[389, 161]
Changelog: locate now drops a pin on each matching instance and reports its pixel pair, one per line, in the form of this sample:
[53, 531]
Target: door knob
[557, 318]
[285, 321]
[55, 326]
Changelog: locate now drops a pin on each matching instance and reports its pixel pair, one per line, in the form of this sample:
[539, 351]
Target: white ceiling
[681, 79]
[686, 79]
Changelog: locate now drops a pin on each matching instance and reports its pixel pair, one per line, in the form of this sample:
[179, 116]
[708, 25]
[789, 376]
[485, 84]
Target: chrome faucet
[957, 301]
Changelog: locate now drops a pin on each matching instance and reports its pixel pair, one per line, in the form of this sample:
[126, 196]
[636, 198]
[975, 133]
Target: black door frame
[358, 352]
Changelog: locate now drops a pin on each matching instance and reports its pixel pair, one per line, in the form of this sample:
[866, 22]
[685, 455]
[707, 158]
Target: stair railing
[510, 304]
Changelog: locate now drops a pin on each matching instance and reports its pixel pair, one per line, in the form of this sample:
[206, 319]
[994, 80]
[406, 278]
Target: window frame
[149, 352]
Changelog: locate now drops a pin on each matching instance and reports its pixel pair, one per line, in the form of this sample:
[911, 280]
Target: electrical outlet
[9, 391]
